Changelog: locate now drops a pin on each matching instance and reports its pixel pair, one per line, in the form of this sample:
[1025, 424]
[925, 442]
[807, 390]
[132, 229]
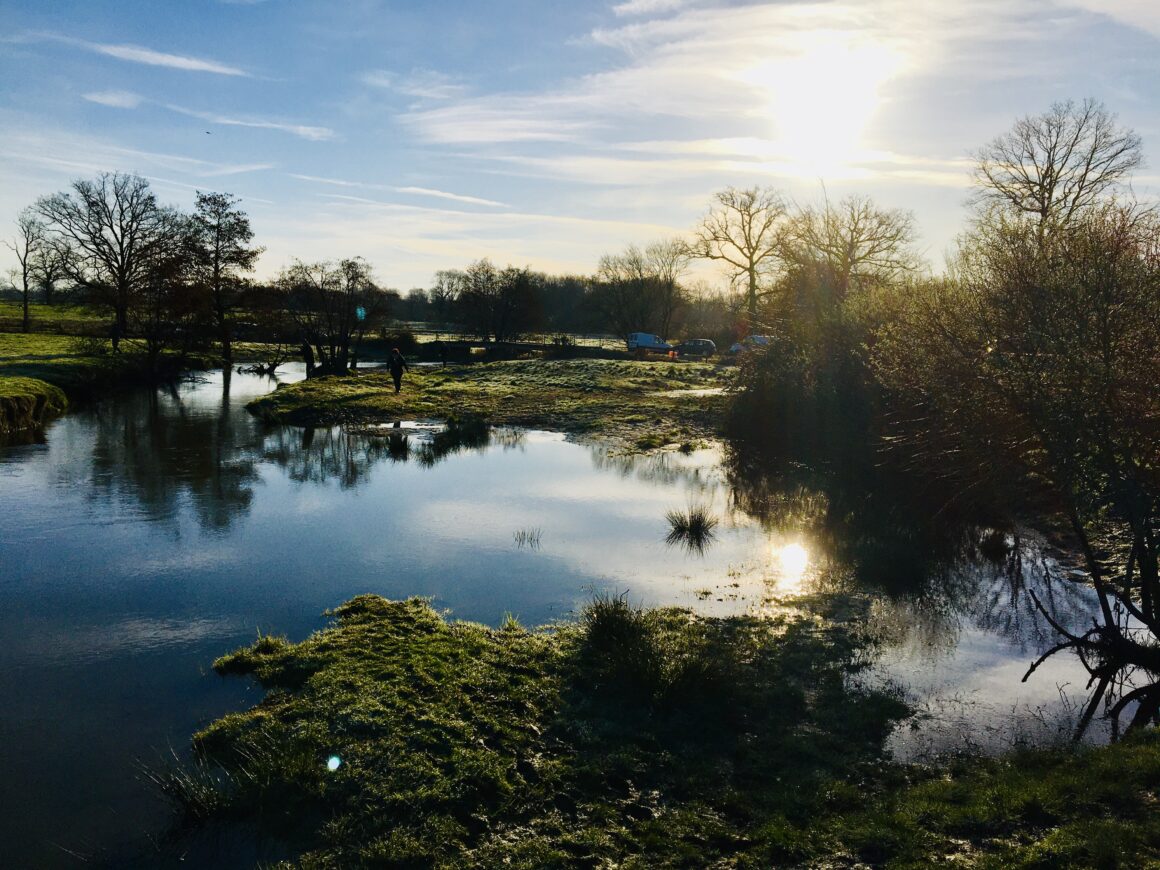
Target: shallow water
[151, 533]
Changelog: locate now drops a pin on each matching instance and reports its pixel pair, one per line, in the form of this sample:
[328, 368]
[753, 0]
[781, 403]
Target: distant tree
[416, 304]
[477, 290]
[221, 237]
[50, 268]
[639, 290]
[1050, 168]
[331, 305]
[498, 304]
[858, 244]
[444, 293]
[565, 308]
[114, 234]
[30, 241]
[711, 312]
[741, 230]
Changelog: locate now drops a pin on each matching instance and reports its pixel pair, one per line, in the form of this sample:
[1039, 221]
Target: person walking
[397, 365]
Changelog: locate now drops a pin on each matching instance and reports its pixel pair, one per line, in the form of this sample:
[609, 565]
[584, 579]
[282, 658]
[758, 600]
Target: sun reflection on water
[791, 561]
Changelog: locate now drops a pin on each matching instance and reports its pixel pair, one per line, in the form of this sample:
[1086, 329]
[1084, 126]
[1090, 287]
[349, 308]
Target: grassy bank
[395, 738]
[74, 365]
[28, 403]
[38, 371]
[645, 404]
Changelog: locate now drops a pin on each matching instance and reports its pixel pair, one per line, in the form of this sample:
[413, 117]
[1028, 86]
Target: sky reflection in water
[159, 530]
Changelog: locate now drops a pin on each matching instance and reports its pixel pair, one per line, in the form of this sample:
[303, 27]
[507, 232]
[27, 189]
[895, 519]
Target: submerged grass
[641, 404]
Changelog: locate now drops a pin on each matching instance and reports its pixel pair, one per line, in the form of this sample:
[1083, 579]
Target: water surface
[153, 532]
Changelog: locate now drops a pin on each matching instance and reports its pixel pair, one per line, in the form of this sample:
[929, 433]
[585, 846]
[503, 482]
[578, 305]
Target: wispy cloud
[646, 7]
[59, 149]
[415, 191]
[442, 194]
[1141, 14]
[316, 134]
[422, 83]
[143, 55]
[116, 99]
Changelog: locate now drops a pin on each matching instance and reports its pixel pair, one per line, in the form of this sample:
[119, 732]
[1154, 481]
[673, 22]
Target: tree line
[171, 279]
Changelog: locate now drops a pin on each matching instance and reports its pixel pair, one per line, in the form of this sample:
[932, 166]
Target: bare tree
[1032, 374]
[1052, 167]
[115, 233]
[31, 240]
[640, 290]
[498, 303]
[859, 244]
[50, 266]
[741, 230]
[221, 249]
[444, 293]
[332, 305]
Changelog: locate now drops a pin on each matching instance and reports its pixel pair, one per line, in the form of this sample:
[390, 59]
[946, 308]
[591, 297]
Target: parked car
[697, 347]
[648, 341]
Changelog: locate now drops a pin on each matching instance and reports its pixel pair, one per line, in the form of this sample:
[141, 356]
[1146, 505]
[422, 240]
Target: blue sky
[423, 136]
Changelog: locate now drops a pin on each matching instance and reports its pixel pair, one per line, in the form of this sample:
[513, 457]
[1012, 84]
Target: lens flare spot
[333, 763]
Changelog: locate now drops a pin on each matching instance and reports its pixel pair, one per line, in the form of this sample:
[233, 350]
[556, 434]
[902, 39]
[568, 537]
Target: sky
[543, 133]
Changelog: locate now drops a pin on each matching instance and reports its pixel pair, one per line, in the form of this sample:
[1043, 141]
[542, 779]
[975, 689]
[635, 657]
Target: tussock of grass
[608, 397]
[653, 736]
[692, 528]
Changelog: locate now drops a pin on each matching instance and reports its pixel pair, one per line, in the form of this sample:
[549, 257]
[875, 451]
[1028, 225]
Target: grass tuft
[692, 528]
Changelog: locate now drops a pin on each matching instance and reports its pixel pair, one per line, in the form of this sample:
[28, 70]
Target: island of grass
[28, 403]
[395, 738]
[637, 403]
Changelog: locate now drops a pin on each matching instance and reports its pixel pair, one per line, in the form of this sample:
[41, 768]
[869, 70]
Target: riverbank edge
[37, 385]
[635, 405]
[29, 404]
[395, 735]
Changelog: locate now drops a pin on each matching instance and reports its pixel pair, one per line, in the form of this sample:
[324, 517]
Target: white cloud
[646, 7]
[1141, 14]
[416, 191]
[315, 134]
[420, 83]
[148, 56]
[442, 194]
[58, 156]
[116, 99]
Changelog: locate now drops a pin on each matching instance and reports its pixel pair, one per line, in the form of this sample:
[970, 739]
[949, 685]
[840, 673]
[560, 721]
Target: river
[150, 533]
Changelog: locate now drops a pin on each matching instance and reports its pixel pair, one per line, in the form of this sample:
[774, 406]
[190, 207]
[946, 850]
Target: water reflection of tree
[666, 469]
[933, 574]
[151, 447]
[319, 455]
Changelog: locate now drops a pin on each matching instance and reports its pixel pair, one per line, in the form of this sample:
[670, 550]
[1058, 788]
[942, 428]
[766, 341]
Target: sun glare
[821, 98]
[790, 561]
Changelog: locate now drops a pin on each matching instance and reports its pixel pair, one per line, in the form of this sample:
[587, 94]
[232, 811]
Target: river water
[149, 534]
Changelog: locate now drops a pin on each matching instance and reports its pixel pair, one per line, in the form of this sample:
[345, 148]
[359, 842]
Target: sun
[821, 96]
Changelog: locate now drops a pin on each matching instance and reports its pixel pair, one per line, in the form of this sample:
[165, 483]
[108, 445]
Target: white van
[648, 341]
